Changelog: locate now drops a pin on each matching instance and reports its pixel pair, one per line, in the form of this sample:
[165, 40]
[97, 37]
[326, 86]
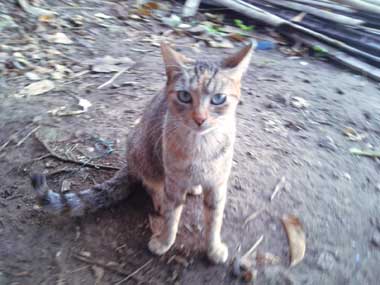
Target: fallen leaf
[37, 88]
[352, 134]
[109, 64]
[32, 76]
[220, 44]
[172, 21]
[296, 238]
[84, 104]
[58, 38]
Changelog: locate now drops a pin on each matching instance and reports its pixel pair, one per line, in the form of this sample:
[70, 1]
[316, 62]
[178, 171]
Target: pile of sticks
[347, 31]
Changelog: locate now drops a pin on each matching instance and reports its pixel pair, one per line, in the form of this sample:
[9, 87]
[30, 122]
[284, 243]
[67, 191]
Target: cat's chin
[203, 131]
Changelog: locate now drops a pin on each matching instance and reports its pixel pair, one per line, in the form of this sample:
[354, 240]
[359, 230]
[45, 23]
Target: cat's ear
[237, 64]
[174, 61]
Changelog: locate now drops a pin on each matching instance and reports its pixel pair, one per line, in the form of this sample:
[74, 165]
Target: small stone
[377, 187]
[376, 239]
[327, 142]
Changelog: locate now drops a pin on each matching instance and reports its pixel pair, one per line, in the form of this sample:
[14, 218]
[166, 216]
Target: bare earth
[335, 194]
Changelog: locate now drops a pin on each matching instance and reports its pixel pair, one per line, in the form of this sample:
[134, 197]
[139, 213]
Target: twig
[89, 164]
[278, 187]
[113, 78]
[253, 216]
[106, 266]
[253, 248]
[27, 136]
[135, 272]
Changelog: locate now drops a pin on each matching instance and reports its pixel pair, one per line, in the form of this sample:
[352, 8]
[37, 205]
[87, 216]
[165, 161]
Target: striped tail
[89, 200]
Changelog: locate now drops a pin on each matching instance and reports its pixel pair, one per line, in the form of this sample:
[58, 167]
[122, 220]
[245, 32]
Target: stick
[341, 57]
[27, 136]
[278, 187]
[275, 21]
[135, 272]
[318, 12]
[113, 78]
[253, 248]
[89, 164]
[104, 265]
[253, 216]
[333, 6]
[361, 5]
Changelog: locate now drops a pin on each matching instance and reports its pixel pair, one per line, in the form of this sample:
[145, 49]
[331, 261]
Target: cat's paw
[218, 253]
[197, 190]
[158, 247]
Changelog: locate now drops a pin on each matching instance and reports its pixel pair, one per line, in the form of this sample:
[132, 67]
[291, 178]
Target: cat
[182, 145]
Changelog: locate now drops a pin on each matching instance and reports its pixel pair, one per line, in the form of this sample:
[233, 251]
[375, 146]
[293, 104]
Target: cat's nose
[199, 120]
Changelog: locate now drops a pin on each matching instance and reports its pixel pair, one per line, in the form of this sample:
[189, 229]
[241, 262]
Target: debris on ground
[296, 238]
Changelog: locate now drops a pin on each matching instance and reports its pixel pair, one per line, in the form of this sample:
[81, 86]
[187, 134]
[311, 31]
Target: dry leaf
[109, 64]
[296, 238]
[221, 44]
[352, 134]
[37, 88]
[58, 38]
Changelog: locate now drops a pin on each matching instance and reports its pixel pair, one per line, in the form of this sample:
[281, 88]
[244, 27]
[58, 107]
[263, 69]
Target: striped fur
[85, 201]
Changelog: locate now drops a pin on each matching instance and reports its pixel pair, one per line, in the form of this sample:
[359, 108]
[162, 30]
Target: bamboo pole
[361, 5]
[275, 21]
[318, 12]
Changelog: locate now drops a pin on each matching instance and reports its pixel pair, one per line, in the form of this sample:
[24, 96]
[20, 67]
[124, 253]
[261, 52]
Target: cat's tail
[89, 200]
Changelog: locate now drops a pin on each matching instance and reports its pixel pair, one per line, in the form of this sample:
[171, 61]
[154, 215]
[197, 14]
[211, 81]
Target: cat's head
[202, 95]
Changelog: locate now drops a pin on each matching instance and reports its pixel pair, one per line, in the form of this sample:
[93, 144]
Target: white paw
[197, 190]
[157, 247]
[218, 253]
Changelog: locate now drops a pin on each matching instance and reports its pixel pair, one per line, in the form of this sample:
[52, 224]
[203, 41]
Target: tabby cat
[182, 145]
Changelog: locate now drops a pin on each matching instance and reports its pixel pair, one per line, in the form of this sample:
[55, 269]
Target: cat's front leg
[172, 210]
[214, 202]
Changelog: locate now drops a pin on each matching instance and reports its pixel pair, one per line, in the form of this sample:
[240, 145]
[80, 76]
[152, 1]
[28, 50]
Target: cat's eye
[218, 99]
[184, 97]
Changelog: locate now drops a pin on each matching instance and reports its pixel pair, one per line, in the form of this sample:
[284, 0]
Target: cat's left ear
[174, 61]
[237, 64]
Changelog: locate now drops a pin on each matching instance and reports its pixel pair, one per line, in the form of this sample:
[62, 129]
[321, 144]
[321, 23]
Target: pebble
[377, 188]
[280, 98]
[327, 142]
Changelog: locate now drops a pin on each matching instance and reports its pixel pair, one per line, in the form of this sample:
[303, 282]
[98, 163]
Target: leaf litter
[296, 238]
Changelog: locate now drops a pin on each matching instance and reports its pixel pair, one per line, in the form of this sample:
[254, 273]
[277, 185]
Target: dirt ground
[335, 194]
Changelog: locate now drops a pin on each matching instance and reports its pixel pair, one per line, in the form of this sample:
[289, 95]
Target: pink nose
[199, 120]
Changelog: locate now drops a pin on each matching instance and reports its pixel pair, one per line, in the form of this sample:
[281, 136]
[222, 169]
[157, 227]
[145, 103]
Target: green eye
[218, 99]
[184, 97]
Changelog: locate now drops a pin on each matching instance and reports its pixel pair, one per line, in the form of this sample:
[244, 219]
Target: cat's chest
[198, 156]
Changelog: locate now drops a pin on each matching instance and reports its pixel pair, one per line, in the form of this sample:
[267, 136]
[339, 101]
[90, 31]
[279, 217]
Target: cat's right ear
[174, 61]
